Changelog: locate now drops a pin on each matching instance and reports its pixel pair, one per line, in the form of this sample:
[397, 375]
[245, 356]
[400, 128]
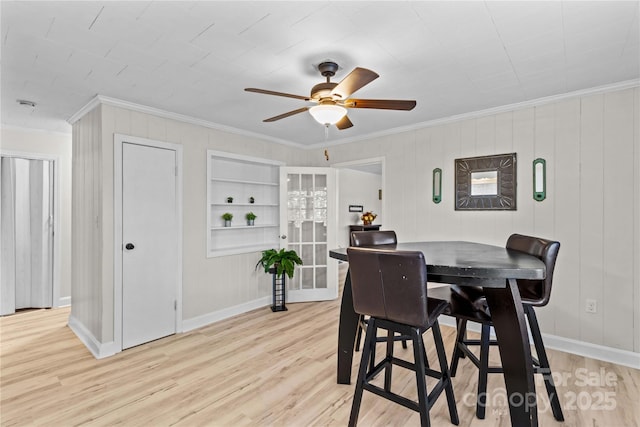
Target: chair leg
[359, 336]
[483, 371]
[388, 369]
[426, 359]
[446, 377]
[362, 371]
[421, 382]
[372, 358]
[461, 332]
[545, 369]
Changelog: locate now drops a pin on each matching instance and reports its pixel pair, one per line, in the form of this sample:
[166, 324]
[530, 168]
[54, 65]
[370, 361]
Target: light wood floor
[257, 369]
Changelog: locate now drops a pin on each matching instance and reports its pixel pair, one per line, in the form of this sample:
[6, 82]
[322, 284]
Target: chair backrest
[373, 238]
[389, 284]
[536, 292]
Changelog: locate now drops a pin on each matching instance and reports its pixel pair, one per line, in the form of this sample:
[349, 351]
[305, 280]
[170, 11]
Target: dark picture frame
[486, 183]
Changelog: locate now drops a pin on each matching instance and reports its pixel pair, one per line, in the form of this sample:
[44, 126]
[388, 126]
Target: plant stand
[279, 291]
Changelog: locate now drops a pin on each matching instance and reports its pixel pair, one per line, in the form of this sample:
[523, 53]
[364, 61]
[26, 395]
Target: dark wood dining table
[494, 268]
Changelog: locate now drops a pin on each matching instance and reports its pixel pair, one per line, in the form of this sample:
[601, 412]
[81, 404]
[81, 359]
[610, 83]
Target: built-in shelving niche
[242, 177]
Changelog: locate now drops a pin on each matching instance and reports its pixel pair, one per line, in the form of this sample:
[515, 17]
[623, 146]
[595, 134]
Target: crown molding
[99, 99]
[35, 130]
[119, 103]
[628, 84]
[93, 103]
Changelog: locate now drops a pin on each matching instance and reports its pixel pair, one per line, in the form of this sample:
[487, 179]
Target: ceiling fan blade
[356, 79]
[381, 104]
[290, 113]
[344, 123]
[270, 92]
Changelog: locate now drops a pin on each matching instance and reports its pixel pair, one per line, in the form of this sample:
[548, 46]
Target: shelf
[238, 227]
[269, 205]
[241, 181]
[241, 249]
[242, 177]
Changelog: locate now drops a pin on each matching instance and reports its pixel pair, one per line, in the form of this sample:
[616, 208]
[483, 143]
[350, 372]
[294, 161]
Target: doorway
[148, 240]
[28, 221]
[360, 183]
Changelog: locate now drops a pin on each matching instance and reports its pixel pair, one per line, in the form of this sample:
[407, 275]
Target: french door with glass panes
[307, 225]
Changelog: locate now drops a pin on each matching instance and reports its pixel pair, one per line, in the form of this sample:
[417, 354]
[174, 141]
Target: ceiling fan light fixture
[332, 98]
[327, 114]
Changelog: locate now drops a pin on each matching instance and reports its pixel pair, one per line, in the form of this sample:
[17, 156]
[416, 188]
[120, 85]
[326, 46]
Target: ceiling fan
[332, 99]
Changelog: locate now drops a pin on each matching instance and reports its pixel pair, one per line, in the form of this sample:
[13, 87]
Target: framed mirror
[486, 183]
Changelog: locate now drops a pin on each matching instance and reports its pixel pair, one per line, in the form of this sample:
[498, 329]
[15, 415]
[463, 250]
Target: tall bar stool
[469, 304]
[390, 287]
[378, 238]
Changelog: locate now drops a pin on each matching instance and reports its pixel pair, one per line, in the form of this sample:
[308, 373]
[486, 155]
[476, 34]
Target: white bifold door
[150, 258]
[26, 217]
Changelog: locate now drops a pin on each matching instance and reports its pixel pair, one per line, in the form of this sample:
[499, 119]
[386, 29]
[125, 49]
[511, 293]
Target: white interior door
[150, 258]
[307, 225]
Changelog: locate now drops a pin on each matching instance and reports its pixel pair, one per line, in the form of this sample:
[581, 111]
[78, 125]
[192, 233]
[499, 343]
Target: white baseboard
[63, 302]
[568, 345]
[593, 351]
[102, 350]
[98, 349]
[225, 313]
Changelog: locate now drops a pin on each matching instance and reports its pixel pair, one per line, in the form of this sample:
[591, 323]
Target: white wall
[591, 145]
[87, 269]
[356, 188]
[58, 146]
[211, 286]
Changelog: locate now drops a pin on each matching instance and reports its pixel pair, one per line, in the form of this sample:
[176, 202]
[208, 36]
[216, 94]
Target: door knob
[284, 236]
[129, 246]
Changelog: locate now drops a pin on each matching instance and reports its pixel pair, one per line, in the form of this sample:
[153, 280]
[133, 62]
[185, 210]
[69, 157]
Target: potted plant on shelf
[251, 199]
[251, 217]
[279, 263]
[227, 217]
[229, 199]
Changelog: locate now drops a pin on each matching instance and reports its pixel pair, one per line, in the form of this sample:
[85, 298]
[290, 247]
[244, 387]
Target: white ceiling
[195, 58]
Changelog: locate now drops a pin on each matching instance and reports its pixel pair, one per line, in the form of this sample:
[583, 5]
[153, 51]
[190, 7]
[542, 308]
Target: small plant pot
[227, 223]
[251, 222]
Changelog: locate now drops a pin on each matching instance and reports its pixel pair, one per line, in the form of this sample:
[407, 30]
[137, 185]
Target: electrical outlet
[591, 306]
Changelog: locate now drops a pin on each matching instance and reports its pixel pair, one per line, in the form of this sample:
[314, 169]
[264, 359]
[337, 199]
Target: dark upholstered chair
[469, 304]
[390, 287]
[377, 238]
[373, 238]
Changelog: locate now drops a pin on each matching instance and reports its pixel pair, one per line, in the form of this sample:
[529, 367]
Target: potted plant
[229, 199]
[251, 217]
[279, 263]
[251, 199]
[227, 217]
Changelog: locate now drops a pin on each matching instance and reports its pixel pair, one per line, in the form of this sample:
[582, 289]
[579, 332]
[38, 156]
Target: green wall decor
[437, 185]
[539, 179]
